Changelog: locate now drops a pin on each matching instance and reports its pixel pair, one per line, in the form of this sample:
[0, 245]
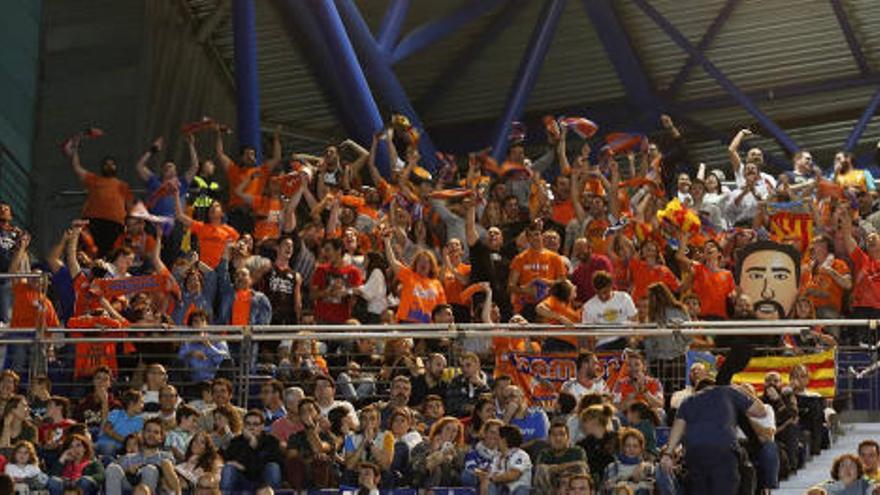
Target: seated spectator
[179, 438]
[150, 466]
[484, 410]
[24, 468]
[869, 454]
[811, 408]
[325, 398]
[53, 432]
[432, 411]
[271, 396]
[226, 425]
[156, 378]
[580, 484]
[600, 442]
[404, 432]
[512, 470]
[439, 459]
[847, 477]
[309, 451]
[558, 459]
[16, 424]
[630, 469]
[121, 423]
[638, 386]
[697, 372]
[430, 382]
[785, 411]
[763, 452]
[201, 458]
[168, 402]
[283, 427]
[369, 445]
[589, 380]
[204, 401]
[466, 388]
[532, 422]
[253, 459]
[221, 393]
[368, 479]
[401, 389]
[644, 419]
[77, 467]
[38, 397]
[483, 453]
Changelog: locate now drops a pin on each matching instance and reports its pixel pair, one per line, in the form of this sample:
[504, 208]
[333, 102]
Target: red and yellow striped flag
[822, 368]
[791, 223]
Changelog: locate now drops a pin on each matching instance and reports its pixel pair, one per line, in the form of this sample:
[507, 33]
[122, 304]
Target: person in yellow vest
[846, 175]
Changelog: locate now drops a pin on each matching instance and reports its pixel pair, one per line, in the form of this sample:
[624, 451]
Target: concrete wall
[132, 68]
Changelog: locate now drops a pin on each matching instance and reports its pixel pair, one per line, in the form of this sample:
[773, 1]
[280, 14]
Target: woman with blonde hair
[421, 289]
[600, 441]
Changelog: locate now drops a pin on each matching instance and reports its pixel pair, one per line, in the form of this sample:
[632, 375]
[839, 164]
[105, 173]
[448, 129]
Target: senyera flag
[821, 366]
[581, 126]
[617, 142]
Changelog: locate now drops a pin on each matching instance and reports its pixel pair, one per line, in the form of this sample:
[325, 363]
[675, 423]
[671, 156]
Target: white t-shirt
[514, 459]
[618, 310]
[340, 403]
[578, 390]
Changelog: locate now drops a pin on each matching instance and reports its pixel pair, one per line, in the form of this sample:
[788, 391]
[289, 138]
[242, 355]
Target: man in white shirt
[325, 396]
[588, 380]
[766, 182]
[697, 372]
[609, 307]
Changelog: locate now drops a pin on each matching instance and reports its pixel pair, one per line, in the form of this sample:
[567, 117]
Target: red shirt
[335, 310]
[582, 277]
[625, 387]
[54, 432]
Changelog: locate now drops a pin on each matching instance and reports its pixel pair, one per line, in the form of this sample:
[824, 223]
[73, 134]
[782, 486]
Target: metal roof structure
[800, 72]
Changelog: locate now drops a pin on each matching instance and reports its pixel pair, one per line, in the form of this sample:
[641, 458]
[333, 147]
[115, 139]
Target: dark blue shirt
[711, 416]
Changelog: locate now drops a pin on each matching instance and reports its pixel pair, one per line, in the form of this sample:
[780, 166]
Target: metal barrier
[55, 350]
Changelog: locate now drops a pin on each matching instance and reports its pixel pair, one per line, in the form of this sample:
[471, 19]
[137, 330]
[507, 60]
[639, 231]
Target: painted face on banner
[769, 277]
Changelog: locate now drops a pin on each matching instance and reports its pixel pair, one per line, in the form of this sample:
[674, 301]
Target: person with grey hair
[285, 426]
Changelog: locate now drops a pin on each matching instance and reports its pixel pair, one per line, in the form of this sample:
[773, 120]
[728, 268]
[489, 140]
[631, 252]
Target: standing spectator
[825, 278]
[609, 306]
[466, 388]
[848, 176]
[532, 272]
[421, 290]
[107, 201]
[283, 286]
[151, 464]
[253, 459]
[708, 279]
[559, 308]
[512, 470]
[600, 442]
[94, 409]
[488, 263]
[706, 422]
[865, 299]
[375, 290]
[159, 201]
[9, 239]
[333, 284]
[213, 234]
[588, 263]
[202, 359]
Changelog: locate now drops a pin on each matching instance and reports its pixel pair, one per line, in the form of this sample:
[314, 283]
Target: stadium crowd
[632, 232]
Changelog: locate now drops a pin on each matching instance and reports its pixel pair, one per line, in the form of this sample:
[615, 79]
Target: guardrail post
[244, 367]
[39, 360]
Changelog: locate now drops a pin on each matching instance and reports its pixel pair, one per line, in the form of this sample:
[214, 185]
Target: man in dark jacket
[253, 459]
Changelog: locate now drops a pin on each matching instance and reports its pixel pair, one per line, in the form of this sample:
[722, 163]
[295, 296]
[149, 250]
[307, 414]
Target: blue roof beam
[381, 77]
[850, 36]
[527, 74]
[862, 124]
[766, 122]
[391, 24]
[434, 31]
[614, 38]
[467, 56]
[706, 41]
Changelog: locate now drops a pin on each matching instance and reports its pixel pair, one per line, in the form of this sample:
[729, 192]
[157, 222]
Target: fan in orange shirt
[236, 173]
[708, 280]
[421, 290]
[558, 309]
[533, 271]
[456, 276]
[646, 267]
[213, 235]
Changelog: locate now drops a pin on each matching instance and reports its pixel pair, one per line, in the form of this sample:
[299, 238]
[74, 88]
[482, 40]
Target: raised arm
[844, 223]
[613, 200]
[362, 154]
[733, 152]
[288, 216]
[577, 195]
[53, 258]
[179, 215]
[155, 255]
[393, 262]
[193, 158]
[470, 222]
[561, 151]
[276, 150]
[371, 162]
[75, 162]
[240, 190]
[19, 262]
[142, 166]
[72, 247]
[224, 160]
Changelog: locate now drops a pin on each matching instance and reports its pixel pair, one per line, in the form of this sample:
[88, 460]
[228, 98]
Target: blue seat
[453, 491]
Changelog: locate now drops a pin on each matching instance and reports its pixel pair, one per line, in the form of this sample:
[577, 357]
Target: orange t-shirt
[563, 212]
[595, 234]
[26, 303]
[107, 197]
[544, 266]
[644, 275]
[820, 288]
[90, 356]
[418, 296]
[241, 307]
[212, 240]
[712, 288]
[454, 288]
[236, 174]
[268, 212]
[86, 299]
[563, 309]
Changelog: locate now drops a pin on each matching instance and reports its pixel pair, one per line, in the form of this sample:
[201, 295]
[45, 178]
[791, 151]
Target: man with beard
[588, 380]
[767, 273]
[144, 467]
[766, 182]
[282, 285]
[401, 390]
[107, 200]
[488, 264]
[430, 382]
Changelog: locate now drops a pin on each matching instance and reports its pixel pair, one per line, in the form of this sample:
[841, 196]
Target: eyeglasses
[253, 423]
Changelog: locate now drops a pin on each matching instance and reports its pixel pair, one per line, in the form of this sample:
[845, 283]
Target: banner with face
[769, 274]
